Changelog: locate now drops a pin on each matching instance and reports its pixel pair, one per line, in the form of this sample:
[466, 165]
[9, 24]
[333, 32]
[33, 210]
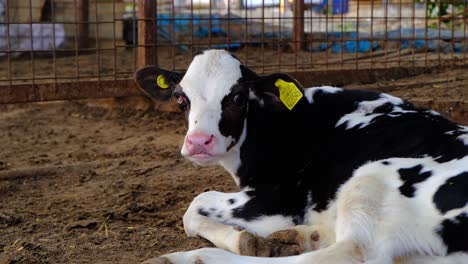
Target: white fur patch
[399, 110]
[364, 116]
[219, 207]
[215, 204]
[463, 137]
[265, 225]
[309, 92]
[432, 112]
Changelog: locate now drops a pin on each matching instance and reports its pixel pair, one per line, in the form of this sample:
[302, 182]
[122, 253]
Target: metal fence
[70, 49]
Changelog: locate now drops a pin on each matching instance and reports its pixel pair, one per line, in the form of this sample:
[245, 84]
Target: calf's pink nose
[198, 143]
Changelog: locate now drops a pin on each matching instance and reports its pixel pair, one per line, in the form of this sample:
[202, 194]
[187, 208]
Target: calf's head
[216, 92]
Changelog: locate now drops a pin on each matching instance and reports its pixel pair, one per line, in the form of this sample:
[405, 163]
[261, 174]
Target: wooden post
[47, 11]
[82, 20]
[298, 37]
[147, 54]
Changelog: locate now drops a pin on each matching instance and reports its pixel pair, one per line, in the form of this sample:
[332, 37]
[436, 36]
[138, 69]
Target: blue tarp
[432, 39]
[416, 38]
[182, 24]
[352, 42]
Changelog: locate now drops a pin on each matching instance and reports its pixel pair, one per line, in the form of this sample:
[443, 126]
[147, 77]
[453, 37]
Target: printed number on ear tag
[161, 81]
[289, 93]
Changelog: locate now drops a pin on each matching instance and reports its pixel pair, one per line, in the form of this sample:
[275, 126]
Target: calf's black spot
[454, 233]
[452, 194]
[298, 219]
[232, 117]
[410, 177]
[385, 108]
[232, 201]
[203, 212]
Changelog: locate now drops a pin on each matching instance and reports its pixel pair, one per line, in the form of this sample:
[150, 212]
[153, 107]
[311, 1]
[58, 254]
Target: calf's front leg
[211, 215]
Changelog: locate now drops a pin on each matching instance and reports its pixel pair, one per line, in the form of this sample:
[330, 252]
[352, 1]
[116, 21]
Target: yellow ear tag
[161, 81]
[289, 93]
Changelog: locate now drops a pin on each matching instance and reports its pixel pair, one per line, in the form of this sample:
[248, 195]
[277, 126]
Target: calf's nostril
[209, 140]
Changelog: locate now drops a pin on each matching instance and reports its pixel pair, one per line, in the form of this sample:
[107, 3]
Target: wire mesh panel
[65, 49]
[272, 35]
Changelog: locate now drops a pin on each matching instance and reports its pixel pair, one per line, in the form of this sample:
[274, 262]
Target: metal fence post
[83, 23]
[147, 32]
[298, 25]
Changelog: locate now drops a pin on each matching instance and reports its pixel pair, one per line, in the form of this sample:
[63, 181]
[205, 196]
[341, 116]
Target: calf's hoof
[286, 243]
[275, 246]
[252, 245]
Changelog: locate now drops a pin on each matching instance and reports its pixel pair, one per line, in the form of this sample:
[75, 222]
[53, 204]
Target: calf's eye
[239, 99]
[182, 101]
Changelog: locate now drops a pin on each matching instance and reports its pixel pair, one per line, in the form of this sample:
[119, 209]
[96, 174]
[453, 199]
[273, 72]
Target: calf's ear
[157, 83]
[279, 90]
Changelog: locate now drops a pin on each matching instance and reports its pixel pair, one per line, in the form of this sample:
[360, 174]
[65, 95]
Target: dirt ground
[82, 185]
[86, 184]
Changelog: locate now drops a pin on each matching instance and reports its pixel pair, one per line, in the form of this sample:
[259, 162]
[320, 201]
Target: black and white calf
[353, 176]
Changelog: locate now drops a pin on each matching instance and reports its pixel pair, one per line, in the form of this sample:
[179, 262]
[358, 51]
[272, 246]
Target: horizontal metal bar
[233, 20]
[39, 92]
[247, 19]
[316, 75]
[82, 77]
[364, 76]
